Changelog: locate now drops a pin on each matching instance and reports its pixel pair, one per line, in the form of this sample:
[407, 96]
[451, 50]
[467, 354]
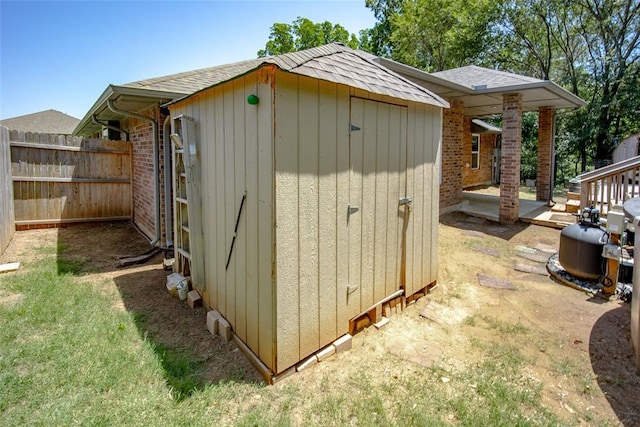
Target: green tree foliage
[611, 31]
[304, 34]
[431, 34]
[377, 40]
[436, 35]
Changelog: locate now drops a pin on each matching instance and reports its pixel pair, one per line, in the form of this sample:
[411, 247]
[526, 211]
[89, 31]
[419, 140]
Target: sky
[62, 55]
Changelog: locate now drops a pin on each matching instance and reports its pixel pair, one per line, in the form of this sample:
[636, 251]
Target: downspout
[168, 184]
[156, 160]
[553, 156]
[108, 126]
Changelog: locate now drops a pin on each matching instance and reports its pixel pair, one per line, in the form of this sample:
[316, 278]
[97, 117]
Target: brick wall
[545, 153]
[510, 165]
[482, 175]
[141, 136]
[452, 154]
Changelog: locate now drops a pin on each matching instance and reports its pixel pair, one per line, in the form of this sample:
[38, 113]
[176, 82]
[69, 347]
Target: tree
[611, 32]
[432, 35]
[304, 34]
[377, 40]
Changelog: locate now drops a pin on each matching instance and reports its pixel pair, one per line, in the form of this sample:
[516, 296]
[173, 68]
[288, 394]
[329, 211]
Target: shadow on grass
[96, 248]
[613, 362]
[191, 358]
[463, 221]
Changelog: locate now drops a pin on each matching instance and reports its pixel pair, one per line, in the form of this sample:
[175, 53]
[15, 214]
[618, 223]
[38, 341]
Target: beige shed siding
[285, 291]
[312, 185]
[378, 155]
[236, 154]
[422, 185]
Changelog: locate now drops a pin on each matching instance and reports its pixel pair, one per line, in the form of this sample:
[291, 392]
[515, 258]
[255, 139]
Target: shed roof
[333, 62]
[48, 121]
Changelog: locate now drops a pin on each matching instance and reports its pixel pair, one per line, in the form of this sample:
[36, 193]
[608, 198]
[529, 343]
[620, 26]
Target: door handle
[405, 201]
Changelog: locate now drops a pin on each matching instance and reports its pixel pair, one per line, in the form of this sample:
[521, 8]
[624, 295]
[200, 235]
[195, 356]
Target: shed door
[375, 218]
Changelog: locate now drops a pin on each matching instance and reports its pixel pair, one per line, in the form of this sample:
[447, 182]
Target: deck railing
[610, 185]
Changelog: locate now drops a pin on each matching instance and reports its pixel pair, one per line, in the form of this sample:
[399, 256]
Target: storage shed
[306, 193]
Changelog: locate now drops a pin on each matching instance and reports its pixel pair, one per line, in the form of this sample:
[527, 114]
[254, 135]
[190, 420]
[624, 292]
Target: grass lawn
[69, 355]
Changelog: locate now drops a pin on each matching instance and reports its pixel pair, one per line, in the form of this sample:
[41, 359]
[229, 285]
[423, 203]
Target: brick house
[475, 92]
[473, 152]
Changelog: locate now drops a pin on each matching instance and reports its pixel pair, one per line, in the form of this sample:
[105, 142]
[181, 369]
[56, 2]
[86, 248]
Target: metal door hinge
[352, 209]
[353, 127]
[405, 201]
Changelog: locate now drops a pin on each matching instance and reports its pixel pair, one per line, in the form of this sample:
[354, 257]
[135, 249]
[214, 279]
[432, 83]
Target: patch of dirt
[577, 347]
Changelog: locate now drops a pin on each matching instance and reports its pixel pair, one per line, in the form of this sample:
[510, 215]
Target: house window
[475, 151]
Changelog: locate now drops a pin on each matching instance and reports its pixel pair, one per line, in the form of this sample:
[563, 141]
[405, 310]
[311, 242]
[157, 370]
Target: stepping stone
[473, 233]
[534, 269]
[432, 311]
[489, 251]
[534, 257]
[521, 248]
[494, 282]
[546, 248]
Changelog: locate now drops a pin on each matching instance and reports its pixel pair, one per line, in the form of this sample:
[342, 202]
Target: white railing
[611, 185]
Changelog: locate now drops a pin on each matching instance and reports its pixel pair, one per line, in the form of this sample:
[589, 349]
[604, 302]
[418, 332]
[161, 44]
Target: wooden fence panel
[61, 179]
[7, 226]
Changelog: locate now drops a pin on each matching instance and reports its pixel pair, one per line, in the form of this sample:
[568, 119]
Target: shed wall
[424, 147]
[285, 291]
[312, 189]
[312, 185]
[236, 141]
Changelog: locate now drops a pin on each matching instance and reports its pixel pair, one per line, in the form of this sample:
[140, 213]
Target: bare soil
[577, 346]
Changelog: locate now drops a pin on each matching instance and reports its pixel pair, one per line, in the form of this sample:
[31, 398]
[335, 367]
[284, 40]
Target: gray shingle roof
[473, 76]
[48, 121]
[193, 81]
[333, 62]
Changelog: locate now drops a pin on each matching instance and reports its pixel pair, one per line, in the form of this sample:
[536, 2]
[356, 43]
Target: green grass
[584, 381]
[491, 323]
[69, 357]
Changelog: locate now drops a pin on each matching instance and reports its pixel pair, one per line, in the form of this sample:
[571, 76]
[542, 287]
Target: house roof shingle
[48, 121]
[333, 62]
[473, 77]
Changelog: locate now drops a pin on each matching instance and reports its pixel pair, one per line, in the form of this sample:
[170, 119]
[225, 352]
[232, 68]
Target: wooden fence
[60, 179]
[7, 226]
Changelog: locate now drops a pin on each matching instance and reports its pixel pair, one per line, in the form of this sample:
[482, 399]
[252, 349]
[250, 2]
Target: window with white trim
[475, 151]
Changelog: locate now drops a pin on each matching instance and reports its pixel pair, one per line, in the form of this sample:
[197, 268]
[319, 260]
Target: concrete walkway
[487, 205]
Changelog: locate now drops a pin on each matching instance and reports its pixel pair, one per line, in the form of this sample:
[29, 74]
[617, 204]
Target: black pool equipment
[581, 246]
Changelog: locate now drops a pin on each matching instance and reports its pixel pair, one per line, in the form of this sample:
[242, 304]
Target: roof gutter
[156, 160]
[108, 126]
[168, 223]
[422, 75]
[543, 84]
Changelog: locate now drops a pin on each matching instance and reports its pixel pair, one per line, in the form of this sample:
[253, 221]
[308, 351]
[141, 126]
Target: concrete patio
[486, 206]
